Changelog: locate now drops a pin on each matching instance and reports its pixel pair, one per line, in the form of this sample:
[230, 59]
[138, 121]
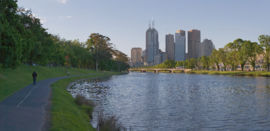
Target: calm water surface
[173, 102]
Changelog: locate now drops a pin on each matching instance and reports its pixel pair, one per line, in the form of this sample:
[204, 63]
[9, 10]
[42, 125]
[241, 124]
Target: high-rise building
[136, 57]
[194, 40]
[152, 44]
[180, 45]
[170, 46]
[207, 47]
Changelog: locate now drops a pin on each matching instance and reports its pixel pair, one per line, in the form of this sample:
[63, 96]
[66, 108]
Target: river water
[174, 102]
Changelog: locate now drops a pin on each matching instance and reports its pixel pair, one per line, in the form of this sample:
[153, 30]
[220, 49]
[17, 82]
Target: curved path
[26, 109]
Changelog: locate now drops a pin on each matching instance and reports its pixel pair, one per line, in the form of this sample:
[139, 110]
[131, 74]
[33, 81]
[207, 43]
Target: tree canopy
[23, 40]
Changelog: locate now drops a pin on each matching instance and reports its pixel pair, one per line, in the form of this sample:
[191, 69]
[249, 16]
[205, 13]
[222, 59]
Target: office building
[180, 45]
[170, 46]
[152, 44]
[136, 57]
[207, 47]
[194, 40]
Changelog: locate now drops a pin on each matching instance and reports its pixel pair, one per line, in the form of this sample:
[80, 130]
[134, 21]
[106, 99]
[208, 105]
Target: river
[174, 102]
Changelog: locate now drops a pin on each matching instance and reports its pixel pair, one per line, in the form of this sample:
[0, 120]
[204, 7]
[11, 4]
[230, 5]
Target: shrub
[81, 100]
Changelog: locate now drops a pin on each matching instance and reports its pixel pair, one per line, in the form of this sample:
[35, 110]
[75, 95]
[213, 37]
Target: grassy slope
[11, 80]
[65, 114]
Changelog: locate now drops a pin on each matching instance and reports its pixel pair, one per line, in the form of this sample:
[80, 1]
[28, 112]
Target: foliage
[166, 64]
[265, 43]
[23, 40]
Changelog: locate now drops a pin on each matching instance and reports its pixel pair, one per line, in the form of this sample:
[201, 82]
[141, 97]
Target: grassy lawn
[237, 73]
[11, 80]
[65, 114]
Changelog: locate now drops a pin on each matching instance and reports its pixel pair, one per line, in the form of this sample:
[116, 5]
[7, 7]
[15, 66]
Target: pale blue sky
[125, 21]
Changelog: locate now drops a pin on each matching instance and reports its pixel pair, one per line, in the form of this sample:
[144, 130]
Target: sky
[126, 21]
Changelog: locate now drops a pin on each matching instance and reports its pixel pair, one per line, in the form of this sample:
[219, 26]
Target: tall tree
[222, 56]
[10, 39]
[101, 47]
[265, 43]
[234, 53]
[253, 49]
[214, 59]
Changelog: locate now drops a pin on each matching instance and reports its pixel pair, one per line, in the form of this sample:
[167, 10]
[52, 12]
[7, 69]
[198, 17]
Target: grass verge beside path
[65, 114]
[236, 73]
[11, 80]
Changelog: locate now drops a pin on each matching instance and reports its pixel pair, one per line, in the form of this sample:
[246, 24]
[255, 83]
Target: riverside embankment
[189, 71]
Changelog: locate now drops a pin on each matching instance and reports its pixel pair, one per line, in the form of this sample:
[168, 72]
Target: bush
[108, 124]
[81, 100]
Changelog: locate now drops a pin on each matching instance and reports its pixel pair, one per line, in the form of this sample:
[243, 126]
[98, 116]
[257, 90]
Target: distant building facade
[136, 57]
[152, 45]
[206, 48]
[180, 45]
[194, 40]
[160, 58]
[170, 46]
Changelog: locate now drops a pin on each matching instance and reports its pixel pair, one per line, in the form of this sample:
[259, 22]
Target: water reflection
[148, 101]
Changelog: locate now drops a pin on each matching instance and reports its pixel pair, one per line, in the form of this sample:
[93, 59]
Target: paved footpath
[26, 109]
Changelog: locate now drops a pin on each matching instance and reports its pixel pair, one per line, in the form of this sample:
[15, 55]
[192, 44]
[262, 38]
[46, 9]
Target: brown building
[136, 57]
[194, 40]
[170, 46]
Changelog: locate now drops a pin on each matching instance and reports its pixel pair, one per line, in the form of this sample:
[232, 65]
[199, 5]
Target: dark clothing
[34, 75]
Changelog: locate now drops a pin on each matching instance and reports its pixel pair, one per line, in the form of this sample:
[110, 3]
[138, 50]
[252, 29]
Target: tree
[265, 43]
[205, 62]
[101, 47]
[222, 56]
[235, 54]
[252, 50]
[214, 59]
[10, 39]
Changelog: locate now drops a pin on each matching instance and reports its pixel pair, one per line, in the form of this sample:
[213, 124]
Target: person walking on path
[34, 75]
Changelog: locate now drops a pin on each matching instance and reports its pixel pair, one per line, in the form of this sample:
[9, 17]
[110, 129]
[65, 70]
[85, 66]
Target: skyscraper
[180, 45]
[152, 44]
[194, 40]
[136, 57]
[170, 46]
[207, 47]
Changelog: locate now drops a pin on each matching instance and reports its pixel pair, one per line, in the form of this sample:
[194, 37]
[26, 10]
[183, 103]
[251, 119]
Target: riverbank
[12, 80]
[65, 113]
[234, 73]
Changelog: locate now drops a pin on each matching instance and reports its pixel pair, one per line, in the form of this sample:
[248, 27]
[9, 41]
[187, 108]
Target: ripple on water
[148, 101]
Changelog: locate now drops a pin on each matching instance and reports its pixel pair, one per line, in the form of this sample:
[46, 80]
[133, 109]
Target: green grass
[11, 80]
[236, 73]
[65, 114]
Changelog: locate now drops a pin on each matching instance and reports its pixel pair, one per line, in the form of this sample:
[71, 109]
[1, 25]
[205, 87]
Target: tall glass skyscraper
[180, 45]
[152, 44]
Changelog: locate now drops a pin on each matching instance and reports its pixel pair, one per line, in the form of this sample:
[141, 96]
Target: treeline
[23, 40]
[235, 54]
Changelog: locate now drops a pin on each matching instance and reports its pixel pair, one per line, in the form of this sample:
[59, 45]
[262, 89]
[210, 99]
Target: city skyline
[125, 22]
